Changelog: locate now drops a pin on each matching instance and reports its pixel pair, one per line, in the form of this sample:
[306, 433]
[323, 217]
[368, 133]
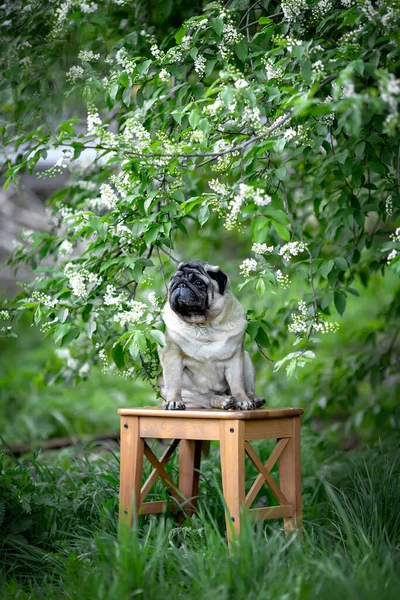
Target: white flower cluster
[93, 119]
[322, 8]
[251, 116]
[74, 73]
[289, 134]
[132, 316]
[79, 280]
[107, 196]
[215, 107]
[389, 206]
[292, 249]
[231, 35]
[241, 84]
[249, 265]
[152, 298]
[390, 92]
[282, 280]
[156, 52]
[272, 70]
[262, 249]
[111, 298]
[65, 159]
[127, 63]
[136, 131]
[26, 62]
[125, 237]
[66, 247]
[65, 355]
[200, 65]
[325, 327]
[61, 14]
[318, 69]
[368, 10]
[88, 55]
[395, 237]
[4, 315]
[123, 182]
[350, 38]
[293, 8]
[164, 76]
[88, 7]
[45, 299]
[299, 322]
[218, 187]
[392, 254]
[245, 193]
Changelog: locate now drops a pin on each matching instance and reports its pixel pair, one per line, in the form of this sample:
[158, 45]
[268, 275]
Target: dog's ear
[220, 277]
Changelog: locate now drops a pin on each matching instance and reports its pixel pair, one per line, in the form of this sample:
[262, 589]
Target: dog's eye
[199, 283]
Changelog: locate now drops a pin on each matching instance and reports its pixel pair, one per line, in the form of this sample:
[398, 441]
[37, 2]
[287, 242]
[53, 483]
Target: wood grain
[232, 469]
[214, 413]
[131, 465]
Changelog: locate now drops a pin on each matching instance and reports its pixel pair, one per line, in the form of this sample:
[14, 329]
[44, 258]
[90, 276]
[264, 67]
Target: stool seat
[213, 413]
[234, 430]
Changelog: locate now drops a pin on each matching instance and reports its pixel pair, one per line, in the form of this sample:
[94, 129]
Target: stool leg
[189, 465]
[232, 469]
[131, 466]
[290, 476]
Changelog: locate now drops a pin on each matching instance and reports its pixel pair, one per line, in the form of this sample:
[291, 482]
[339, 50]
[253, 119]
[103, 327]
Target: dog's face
[196, 291]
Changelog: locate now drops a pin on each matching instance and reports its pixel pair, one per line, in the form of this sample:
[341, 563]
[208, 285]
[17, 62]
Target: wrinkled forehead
[191, 271]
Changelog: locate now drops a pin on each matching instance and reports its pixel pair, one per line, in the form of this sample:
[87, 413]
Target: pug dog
[203, 361]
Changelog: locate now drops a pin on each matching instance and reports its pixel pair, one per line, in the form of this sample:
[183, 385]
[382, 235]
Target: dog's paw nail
[259, 402]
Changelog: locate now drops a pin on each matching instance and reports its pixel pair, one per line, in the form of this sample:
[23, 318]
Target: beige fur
[204, 364]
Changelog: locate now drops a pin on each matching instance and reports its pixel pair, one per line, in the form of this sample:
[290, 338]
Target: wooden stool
[234, 430]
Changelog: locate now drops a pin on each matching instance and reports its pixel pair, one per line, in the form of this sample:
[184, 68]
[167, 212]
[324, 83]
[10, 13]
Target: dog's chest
[205, 344]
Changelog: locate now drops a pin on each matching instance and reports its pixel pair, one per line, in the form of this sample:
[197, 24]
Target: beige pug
[204, 363]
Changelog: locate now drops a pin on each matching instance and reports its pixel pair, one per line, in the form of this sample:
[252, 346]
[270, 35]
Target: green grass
[59, 534]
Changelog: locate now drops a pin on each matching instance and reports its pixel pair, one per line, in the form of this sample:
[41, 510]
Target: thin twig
[162, 269]
[262, 352]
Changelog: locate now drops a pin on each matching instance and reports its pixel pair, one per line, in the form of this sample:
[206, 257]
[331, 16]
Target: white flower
[185, 43]
[218, 187]
[152, 298]
[93, 119]
[74, 73]
[132, 316]
[88, 7]
[272, 70]
[251, 116]
[110, 297]
[395, 237]
[248, 266]
[261, 198]
[292, 249]
[293, 8]
[136, 131]
[66, 248]
[107, 196]
[240, 84]
[88, 55]
[164, 76]
[262, 249]
[200, 65]
[45, 299]
[156, 52]
[326, 327]
[289, 134]
[389, 206]
[392, 254]
[79, 279]
[283, 280]
[231, 35]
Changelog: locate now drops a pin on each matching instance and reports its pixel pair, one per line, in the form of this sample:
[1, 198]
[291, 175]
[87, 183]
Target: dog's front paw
[174, 405]
[228, 402]
[258, 401]
[245, 404]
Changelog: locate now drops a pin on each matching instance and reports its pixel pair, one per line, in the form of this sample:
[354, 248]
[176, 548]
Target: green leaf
[341, 263]
[260, 287]
[281, 230]
[242, 51]
[118, 356]
[265, 20]
[326, 268]
[262, 338]
[204, 214]
[158, 336]
[72, 334]
[218, 25]
[340, 302]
